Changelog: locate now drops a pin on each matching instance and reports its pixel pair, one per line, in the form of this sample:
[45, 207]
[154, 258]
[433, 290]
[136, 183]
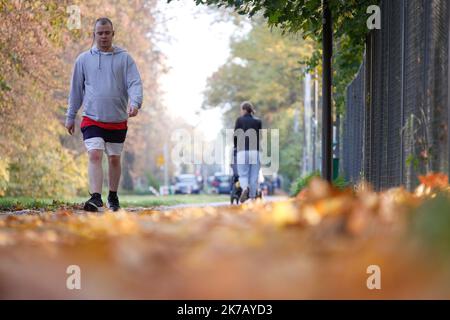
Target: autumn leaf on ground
[434, 180]
[316, 245]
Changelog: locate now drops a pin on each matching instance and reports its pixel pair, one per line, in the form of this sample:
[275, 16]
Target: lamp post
[327, 53]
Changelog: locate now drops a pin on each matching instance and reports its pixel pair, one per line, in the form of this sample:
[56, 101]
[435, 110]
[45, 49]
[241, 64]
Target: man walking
[107, 83]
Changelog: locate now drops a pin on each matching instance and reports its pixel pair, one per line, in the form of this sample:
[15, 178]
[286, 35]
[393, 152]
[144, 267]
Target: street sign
[160, 160]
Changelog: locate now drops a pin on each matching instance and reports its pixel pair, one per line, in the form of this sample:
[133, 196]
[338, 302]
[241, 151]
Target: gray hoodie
[103, 82]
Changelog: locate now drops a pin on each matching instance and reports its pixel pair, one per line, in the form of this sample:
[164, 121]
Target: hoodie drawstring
[100, 63]
[112, 67]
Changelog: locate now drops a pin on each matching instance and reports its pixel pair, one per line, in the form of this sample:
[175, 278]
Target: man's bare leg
[95, 171]
[114, 170]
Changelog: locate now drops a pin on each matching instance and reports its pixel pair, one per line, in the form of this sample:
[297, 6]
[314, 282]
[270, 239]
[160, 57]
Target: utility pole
[327, 133]
[166, 165]
[315, 120]
[307, 154]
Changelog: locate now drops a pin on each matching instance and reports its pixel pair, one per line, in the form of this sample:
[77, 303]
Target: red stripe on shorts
[86, 122]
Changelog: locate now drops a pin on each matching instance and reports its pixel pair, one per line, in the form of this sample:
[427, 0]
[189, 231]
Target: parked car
[210, 184]
[222, 183]
[186, 184]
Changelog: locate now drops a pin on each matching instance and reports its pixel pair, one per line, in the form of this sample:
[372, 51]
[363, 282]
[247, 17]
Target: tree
[305, 16]
[37, 51]
[31, 153]
[314, 19]
[264, 67]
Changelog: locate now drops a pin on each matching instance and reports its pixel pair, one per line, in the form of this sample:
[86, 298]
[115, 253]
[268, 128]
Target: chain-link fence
[396, 118]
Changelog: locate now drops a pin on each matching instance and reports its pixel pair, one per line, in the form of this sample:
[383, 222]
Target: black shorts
[112, 136]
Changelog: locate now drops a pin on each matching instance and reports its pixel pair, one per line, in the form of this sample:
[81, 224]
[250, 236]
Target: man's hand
[132, 111]
[70, 127]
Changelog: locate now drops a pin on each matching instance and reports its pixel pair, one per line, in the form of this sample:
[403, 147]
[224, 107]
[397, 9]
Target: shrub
[303, 182]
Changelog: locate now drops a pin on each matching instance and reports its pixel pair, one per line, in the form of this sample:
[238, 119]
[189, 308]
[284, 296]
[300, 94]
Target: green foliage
[134, 200]
[4, 85]
[412, 161]
[24, 203]
[264, 68]
[340, 182]
[431, 223]
[349, 25]
[52, 171]
[303, 182]
[290, 148]
[126, 200]
[152, 180]
[4, 176]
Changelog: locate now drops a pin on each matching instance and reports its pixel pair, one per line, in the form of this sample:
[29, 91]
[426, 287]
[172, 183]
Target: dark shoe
[244, 196]
[259, 194]
[94, 203]
[113, 203]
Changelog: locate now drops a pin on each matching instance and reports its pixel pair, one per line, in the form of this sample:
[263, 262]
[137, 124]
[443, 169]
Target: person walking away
[246, 142]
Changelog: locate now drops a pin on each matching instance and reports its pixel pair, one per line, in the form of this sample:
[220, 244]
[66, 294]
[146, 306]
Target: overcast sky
[198, 47]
